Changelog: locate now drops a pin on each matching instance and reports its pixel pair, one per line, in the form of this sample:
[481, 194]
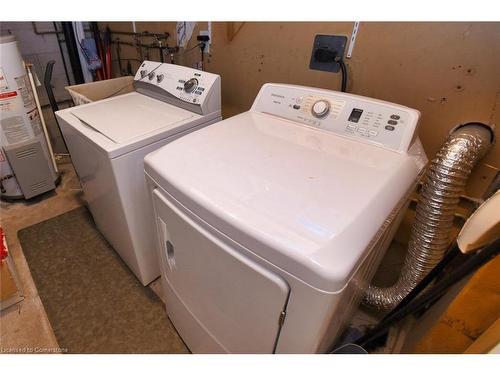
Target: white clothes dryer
[271, 223]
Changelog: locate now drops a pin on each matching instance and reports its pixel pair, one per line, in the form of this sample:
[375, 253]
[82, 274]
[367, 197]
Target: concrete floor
[25, 325]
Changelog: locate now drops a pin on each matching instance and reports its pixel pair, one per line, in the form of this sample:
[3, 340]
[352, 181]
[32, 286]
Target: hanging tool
[107, 51]
[118, 56]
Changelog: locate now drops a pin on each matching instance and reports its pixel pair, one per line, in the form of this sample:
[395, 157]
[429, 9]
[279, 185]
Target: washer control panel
[175, 82]
[367, 120]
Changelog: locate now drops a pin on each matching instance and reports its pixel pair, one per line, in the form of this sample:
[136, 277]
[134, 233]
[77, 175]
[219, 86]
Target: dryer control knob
[159, 78]
[144, 73]
[151, 76]
[320, 108]
[190, 85]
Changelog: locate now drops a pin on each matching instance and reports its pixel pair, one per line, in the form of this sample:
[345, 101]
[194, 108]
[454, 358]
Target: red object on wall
[3, 247]
[8, 95]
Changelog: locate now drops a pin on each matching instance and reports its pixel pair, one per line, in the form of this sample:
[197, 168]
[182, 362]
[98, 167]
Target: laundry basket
[91, 92]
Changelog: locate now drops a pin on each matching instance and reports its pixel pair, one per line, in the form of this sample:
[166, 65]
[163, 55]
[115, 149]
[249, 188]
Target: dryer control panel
[192, 89]
[367, 120]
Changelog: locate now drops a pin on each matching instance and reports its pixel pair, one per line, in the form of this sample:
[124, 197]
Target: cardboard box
[8, 287]
[10, 293]
[93, 91]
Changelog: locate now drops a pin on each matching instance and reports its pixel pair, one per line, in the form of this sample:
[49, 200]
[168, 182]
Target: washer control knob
[190, 85]
[151, 75]
[159, 78]
[320, 108]
[144, 72]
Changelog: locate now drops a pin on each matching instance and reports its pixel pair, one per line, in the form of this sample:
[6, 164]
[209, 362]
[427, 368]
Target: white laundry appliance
[108, 139]
[271, 223]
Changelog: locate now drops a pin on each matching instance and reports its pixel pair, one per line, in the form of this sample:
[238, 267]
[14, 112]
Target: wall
[448, 71]
[461, 319]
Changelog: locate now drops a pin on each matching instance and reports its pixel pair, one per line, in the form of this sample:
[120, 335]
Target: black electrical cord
[432, 294]
[202, 48]
[343, 69]
[177, 53]
[192, 48]
[324, 55]
[2, 179]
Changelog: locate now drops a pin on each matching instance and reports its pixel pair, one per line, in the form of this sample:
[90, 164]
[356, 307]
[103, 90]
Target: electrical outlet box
[207, 46]
[333, 43]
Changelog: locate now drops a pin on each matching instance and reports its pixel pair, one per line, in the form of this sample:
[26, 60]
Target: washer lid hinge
[281, 319]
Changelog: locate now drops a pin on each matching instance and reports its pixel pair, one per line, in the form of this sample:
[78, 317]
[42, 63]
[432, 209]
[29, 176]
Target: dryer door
[218, 299]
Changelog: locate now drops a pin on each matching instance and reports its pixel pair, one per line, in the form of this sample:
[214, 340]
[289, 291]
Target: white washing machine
[108, 140]
[271, 223]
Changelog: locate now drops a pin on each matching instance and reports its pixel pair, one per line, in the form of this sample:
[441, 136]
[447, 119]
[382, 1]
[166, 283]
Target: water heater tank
[25, 162]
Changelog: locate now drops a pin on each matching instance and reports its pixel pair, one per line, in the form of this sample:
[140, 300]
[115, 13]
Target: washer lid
[306, 200]
[129, 116]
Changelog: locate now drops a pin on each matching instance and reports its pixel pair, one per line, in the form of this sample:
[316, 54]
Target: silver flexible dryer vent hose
[442, 186]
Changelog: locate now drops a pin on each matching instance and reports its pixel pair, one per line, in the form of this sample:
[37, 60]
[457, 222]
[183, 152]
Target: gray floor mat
[93, 301]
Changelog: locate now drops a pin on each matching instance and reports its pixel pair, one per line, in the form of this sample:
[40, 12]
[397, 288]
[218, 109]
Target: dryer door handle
[169, 252]
[166, 245]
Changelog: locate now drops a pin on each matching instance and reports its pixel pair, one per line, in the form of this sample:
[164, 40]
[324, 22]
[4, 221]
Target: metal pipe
[62, 53]
[118, 55]
[138, 47]
[160, 50]
[55, 32]
[133, 44]
[72, 48]
[37, 32]
[443, 185]
[65, 101]
[164, 35]
[148, 46]
[127, 59]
